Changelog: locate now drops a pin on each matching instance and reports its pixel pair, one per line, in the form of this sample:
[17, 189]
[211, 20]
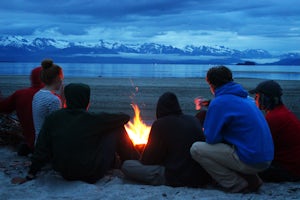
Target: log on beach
[116, 94]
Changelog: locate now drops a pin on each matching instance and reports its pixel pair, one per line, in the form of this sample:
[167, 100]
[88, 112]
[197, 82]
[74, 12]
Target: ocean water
[275, 72]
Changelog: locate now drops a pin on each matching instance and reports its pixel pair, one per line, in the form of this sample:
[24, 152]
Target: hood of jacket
[231, 88]
[35, 77]
[77, 95]
[167, 105]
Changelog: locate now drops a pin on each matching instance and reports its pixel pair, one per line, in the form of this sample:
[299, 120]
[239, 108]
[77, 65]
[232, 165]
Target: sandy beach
[116, 95]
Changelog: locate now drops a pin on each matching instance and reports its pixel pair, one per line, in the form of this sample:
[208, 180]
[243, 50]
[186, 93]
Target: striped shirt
[44, 102]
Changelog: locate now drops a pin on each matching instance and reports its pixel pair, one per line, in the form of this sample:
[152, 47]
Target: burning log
[137, 130]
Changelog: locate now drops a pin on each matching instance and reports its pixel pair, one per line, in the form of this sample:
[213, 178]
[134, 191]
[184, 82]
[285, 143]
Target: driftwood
[10, 131]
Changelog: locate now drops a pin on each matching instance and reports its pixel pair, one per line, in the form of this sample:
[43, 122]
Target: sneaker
[240, 188]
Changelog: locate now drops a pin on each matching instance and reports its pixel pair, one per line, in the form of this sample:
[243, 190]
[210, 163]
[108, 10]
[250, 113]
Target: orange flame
[137, 130]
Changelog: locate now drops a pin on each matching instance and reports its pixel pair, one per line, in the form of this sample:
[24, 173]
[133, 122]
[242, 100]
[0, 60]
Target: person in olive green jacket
[80, 145]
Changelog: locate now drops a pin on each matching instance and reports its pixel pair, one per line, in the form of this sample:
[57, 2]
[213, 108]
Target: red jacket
[285, 129]
[21, 102]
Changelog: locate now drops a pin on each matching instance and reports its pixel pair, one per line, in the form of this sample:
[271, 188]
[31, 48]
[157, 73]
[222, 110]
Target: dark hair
[218, 76]
[50, 71]
[268, 102]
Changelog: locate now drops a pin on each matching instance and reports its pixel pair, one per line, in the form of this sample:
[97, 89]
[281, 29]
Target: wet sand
[116, 94]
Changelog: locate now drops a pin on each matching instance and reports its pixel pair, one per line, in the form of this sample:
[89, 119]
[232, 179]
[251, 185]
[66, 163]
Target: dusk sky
[273, 25]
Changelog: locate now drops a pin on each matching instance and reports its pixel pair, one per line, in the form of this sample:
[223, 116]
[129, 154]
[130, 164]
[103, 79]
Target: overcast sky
[273, 25]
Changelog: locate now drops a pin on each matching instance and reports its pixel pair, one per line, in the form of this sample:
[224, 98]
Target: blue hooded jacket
[233, 118]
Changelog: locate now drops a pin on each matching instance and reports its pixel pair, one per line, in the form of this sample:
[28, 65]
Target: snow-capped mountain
[14, 41]
[17, 48]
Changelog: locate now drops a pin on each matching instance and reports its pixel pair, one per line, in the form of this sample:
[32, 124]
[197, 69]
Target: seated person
[45, 100]
[166, 158]
[80, 145]
[285, 129]
[21, 102]
[238, 140]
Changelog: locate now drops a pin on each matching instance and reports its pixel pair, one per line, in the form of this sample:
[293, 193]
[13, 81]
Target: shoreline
[116, 94]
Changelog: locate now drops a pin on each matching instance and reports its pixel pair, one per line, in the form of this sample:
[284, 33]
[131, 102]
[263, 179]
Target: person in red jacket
[21, 102]
[285, 129]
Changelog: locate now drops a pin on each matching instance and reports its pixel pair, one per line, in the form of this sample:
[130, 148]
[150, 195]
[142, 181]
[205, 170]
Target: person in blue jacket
[238, 140]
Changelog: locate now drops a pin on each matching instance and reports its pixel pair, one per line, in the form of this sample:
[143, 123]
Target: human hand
[200, 102]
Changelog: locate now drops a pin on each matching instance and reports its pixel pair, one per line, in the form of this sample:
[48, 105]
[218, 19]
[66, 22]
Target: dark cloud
[151, 20]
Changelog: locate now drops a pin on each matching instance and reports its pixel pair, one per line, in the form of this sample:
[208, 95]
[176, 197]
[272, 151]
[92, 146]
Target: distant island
[247, 63]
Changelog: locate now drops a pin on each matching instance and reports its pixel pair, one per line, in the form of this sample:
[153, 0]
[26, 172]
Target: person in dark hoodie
[166, 158]
[21, 102]
[238, 141]
[80, 145]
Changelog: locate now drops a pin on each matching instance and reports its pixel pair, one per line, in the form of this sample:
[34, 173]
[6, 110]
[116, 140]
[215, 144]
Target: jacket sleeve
[214, 122]
[42, 151]
[113, 120]
[155, 149]
[8, 104]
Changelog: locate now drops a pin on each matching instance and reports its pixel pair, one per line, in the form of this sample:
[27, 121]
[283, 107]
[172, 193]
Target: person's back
[76, 137]
[235, 119]
[21, 102]
[166, 158]
[45, 101]
[81, 145]
[176, 134]
[238, 140]
[285, 129]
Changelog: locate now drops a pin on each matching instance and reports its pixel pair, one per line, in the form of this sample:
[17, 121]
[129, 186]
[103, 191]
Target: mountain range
[20, 49]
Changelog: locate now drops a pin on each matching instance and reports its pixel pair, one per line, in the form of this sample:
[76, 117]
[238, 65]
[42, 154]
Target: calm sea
[276, 72]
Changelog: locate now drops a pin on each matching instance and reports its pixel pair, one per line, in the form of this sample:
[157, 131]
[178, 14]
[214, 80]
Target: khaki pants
[223, 164]
[149, 174]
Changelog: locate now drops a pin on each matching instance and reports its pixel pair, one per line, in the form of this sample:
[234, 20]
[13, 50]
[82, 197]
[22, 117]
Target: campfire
[137, 130]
